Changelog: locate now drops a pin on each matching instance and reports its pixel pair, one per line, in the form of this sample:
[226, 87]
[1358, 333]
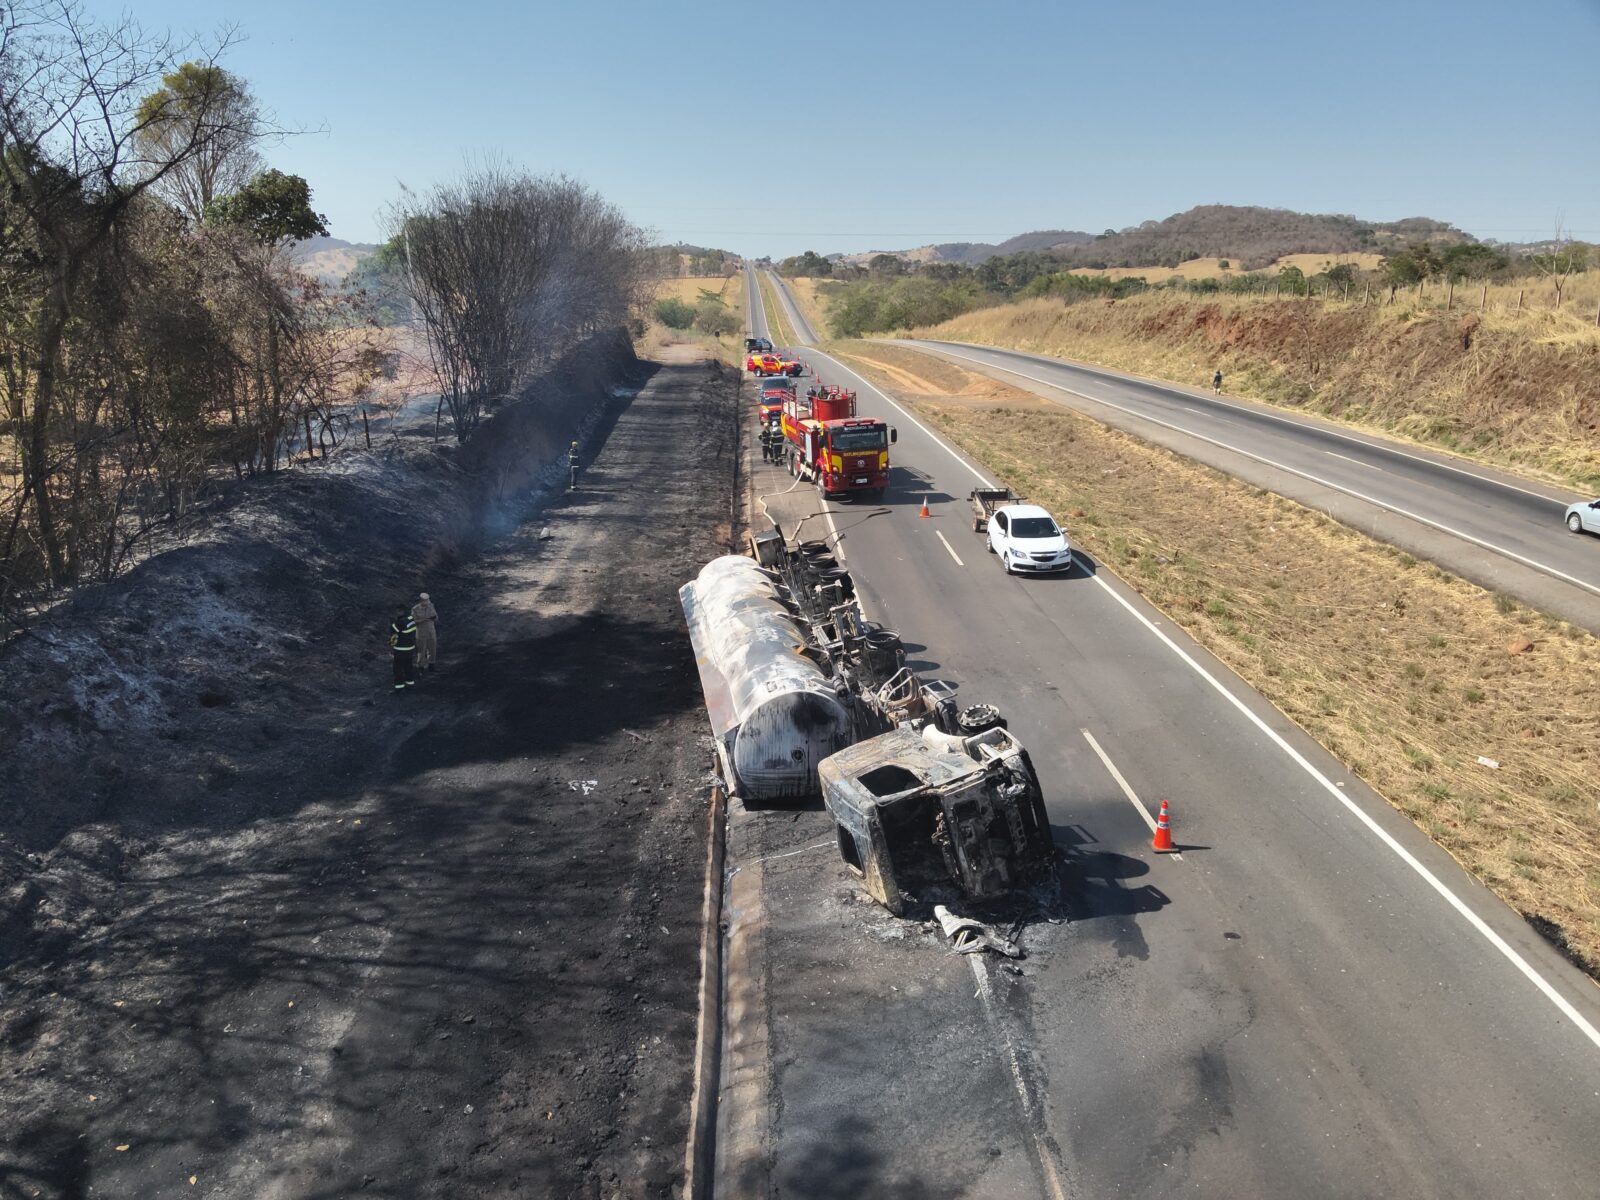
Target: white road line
[1327, 483]
[1122, 783]
[1199, 412]
[1381, 447]
[1041, 1146]
[1405, 856]
[950, 548]
[1357, 461]
[1383, 835]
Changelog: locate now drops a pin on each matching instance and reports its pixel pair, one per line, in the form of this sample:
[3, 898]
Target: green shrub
[674, 313]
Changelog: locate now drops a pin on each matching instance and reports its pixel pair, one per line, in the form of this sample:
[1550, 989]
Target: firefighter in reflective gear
[427, 617]
[766, 441]
[572, 465]
[403, 642]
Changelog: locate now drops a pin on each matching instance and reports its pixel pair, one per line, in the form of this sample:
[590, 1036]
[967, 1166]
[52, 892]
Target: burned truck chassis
[932, 799]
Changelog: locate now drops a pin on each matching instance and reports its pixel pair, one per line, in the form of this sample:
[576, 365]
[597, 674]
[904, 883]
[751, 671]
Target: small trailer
[985, 501]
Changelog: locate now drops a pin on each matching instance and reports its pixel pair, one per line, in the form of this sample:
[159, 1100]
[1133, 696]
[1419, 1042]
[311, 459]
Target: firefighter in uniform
[572, 465]
[427, 618]
[403, 643]
[766, 441]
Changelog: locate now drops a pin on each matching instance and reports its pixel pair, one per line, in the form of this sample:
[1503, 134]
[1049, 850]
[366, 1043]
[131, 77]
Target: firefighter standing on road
[426, 617]
[572, 465]
[766, 441]
[403, 643]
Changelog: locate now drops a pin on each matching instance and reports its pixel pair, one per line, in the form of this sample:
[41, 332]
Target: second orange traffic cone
[1163, 843]
[924, 512]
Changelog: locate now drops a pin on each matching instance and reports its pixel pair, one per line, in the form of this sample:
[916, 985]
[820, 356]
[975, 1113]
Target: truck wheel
[976, 718]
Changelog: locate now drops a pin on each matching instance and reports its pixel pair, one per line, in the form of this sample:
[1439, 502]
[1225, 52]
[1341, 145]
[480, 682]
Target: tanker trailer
[775, 713]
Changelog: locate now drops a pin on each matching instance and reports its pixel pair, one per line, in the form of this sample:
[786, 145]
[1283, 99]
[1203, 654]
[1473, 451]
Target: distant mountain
[329, 259]
[1250, 237]
[973, 253]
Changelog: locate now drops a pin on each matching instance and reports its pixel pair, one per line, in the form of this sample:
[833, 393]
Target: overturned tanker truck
[806, 696]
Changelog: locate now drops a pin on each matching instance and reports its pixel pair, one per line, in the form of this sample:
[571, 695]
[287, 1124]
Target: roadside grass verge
[1402, 671]
[1519, 389]
[777, 323]
[808, 299]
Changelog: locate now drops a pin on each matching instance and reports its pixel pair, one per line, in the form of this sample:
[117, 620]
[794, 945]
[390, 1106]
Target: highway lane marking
[1357, 461]
[949, 547]
[1383, 835]
[1381, 447]
[1405, 856]
[1327, 483]
[1030, 1109]
[1199, 412]
[1122, 783]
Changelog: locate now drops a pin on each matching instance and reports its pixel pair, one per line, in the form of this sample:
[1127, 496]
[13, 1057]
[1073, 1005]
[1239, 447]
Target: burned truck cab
[920, 813]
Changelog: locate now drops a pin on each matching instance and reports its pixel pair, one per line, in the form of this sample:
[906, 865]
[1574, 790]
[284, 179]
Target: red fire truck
[827, 443]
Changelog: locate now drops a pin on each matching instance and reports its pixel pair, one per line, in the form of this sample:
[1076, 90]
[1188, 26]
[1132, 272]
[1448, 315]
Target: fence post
[1483, 302]
[1597, 314]
[311, 450]
[1366, 287]
[1450, 295]
[1519, 299]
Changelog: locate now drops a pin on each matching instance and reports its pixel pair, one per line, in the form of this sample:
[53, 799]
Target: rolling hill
[1248, 236]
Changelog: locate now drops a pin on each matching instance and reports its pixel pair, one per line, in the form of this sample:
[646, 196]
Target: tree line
[889, 292]
[149, 339]
[155, 342]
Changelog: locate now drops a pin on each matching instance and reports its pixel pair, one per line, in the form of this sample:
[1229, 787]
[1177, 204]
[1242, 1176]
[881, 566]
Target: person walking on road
[1216, 383]
[403, 645]
[426, 617]
[572, 467]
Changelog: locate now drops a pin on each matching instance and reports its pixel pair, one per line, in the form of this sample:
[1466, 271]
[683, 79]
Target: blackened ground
[447, 946]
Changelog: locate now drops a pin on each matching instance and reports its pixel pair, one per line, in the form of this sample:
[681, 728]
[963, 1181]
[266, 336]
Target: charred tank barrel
[771, 707]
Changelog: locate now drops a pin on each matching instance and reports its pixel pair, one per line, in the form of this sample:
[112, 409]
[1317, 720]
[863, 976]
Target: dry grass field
[658, 338]
[1402, 671]
[688, 288]
[1518, 388]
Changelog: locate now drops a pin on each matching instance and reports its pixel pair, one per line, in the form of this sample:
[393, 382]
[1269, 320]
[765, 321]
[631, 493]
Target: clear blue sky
[769, 129]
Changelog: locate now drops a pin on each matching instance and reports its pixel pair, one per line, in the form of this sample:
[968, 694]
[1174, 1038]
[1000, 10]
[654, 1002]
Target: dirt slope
[272, 927]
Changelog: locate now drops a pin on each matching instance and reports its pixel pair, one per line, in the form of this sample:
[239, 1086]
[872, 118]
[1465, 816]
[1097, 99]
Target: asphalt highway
[1500, 530]
[1311, 1000]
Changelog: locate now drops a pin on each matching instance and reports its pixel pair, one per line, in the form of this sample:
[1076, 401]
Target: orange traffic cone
[1163, 843]
[924, 512]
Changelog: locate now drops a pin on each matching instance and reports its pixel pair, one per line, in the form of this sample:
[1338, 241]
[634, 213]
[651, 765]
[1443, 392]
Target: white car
[1028, 539]
[1584, 516]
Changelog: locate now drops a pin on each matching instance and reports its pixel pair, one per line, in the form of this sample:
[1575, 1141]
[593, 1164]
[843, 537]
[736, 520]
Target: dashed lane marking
[1433, 881]
[1303, 426]
[1357, 461]
[1387, 505]
[1122, 783]
[950, 548]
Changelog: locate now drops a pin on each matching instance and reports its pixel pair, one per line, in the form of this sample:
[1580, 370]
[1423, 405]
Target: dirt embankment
[1517, 388]
[268, 925]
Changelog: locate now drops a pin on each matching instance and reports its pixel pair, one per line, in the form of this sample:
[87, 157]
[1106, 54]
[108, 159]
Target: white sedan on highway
[1584, 516]
[1028, 539]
